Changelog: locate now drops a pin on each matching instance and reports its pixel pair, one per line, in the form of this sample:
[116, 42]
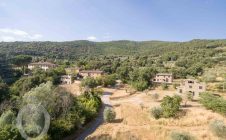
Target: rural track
[99, 120]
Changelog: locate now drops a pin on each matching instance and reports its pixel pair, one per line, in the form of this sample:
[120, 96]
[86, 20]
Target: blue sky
[104, 20]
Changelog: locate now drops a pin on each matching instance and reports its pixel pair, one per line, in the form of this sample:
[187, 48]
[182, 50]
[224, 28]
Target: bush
[109, 80]
[214, 103]
[9, 132]
[7, 118]
[181, 136]
[109, 114]
[218, 128]
[171, 105]
[156, 112]
[89, 82]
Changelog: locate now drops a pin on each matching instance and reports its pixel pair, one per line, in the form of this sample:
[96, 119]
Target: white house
[43, 65]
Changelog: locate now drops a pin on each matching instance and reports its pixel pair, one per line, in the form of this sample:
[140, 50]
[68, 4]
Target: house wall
[44, 67]
[163, 79]
[191, 86]
[94, 75]
[66, 80]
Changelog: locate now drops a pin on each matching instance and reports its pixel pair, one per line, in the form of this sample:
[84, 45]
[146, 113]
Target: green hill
[74, 49]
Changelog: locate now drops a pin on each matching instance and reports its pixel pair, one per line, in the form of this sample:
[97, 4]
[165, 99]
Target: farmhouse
[192, 86]
[163, 78]
[43, 65]
[91, 73]
[66, 79]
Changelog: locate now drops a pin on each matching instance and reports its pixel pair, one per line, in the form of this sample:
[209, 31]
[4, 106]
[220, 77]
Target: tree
[109, 80]
[3, 90]
[109, 114]
[195, 70]
[171, 105]
[8, 130]
[21, 61]
[188, 96]
[122, 73]
[89, 82]
[140, 85]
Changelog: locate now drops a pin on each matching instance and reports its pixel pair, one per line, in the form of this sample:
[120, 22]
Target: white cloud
[8, 34]
[7, 38]
[92, 38]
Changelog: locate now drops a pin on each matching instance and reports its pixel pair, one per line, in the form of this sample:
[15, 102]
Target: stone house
[91, 73]
[192, 86]
[43, 65]
[66, 79]
[163, 78]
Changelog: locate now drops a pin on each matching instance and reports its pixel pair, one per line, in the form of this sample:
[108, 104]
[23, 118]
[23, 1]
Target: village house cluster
[187, 85]
[72, 73]
[69, 79]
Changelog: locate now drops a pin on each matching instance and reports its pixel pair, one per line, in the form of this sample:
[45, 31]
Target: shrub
[214, 103]
[9, 132]
[171, 105]
[156, 112]
[181, 136]
[7, 118]
[89, 82]
[109, 80]
[109, 114]
[155, 96]
[218, 128]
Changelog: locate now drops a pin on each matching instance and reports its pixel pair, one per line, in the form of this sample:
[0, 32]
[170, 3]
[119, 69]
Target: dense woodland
[135, 63]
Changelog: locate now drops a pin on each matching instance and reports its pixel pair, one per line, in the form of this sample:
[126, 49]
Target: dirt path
[99, 120]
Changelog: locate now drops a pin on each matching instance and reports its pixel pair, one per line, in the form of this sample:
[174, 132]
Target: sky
[106, 20]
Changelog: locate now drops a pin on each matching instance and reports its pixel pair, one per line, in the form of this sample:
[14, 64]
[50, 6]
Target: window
[200, 87]
[190, 86]
[191, 82]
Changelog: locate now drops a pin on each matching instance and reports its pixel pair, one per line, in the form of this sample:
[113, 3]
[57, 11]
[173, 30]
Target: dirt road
[99, 120]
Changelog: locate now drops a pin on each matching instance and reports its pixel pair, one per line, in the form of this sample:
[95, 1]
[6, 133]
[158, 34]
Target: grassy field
[134, 120]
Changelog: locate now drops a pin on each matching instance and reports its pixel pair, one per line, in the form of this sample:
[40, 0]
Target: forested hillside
[75, 49]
